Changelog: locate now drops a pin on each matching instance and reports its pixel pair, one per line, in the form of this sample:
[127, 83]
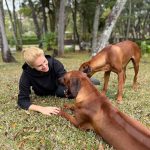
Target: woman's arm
[24, 98]
[45, 110]
[24, 92]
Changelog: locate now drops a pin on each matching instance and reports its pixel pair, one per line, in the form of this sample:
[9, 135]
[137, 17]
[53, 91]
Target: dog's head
[72, 81]
[86, 68]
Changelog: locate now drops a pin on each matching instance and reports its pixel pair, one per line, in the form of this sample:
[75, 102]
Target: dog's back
[130, 48]
[121, 52]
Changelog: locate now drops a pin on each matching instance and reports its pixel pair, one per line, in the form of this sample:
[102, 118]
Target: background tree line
[90, 24]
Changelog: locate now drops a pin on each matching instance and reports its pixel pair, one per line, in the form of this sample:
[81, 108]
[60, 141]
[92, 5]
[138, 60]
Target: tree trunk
[44, 17]
[61, 25]
[6, 54]
[128, 21]
[145, 29]
[95, 26]
[12, 23]
[36, 24]
[19, 42]
[110, 23]
[75, 30]
[1, 7]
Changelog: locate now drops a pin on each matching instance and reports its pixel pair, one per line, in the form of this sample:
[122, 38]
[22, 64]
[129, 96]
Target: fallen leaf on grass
[27, 112]
[13, 125]
[21, 144]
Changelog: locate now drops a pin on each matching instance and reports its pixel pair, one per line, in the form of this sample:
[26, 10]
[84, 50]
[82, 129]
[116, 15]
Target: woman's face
[41, 64]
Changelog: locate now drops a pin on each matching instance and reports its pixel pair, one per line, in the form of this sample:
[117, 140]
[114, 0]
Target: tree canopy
[36, 18]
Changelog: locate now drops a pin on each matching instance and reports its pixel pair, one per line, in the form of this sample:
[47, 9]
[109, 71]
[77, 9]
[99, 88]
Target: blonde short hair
[31, 54]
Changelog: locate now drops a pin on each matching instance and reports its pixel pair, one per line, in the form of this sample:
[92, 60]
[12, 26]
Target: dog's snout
[86, 69]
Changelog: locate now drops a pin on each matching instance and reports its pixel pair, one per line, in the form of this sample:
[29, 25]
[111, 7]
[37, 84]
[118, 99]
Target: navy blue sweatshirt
[42, 83]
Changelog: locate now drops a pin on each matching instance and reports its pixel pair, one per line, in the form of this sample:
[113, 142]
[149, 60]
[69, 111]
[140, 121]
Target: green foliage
[49, 41]
[11, 41]
[106, 13]
[69, 49]
[68, 35]
[145, 46]
[30, 40]
[26, 40]
[103, 18]
[26, 11]
[86, 37]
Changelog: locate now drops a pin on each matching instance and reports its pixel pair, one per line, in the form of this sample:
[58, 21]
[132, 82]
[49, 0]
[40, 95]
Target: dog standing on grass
[94, 111]
[114, 58]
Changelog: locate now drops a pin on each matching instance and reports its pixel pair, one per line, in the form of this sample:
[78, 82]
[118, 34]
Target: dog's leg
[120, 86]
[136, 70]
[81, 125]
[106, 79]
[69, 106]
[124, 76]
[69, 118]
[78, 123]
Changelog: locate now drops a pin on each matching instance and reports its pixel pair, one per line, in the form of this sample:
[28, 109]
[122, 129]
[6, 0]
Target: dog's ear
[74, 86]
[61, 80]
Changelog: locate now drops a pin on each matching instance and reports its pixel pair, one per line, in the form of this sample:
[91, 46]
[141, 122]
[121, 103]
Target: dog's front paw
[119, 99]
[69, 106]
[66, 106]
[135, 86]
[61, 113]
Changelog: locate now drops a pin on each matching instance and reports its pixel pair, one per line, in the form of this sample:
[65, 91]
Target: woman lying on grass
[41, 73]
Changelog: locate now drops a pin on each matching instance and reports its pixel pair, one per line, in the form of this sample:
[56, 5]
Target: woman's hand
[50, 110]
[45, 110]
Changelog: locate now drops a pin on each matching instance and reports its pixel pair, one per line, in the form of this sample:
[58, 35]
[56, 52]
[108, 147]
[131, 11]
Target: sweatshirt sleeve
[58, 68]
[24, 92]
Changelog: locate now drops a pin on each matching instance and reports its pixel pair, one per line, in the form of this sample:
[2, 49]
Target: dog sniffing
[114, 58]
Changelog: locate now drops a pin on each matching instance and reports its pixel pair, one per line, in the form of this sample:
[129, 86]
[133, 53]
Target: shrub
[26, 40]
[49, 41]
[145, 46]
[29, 40]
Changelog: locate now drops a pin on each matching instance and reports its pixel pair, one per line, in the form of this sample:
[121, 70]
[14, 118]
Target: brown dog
[114, 58]
[94, 111]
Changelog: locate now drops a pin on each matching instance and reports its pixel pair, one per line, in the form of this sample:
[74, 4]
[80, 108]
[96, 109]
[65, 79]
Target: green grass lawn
[20, 129]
